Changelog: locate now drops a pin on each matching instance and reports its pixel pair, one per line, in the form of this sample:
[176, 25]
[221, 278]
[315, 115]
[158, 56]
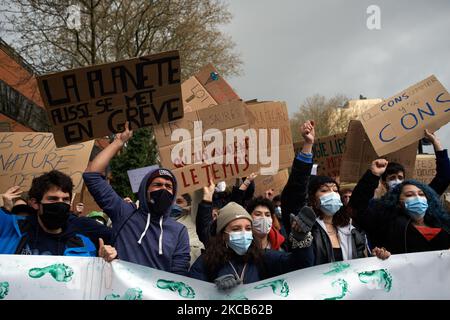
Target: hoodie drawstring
[146, 228]
[160, 236]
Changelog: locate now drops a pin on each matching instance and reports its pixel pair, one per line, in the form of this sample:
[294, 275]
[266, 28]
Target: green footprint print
[343, 286]
[183, 289]
[4, 289]
[279, 287]
[377, 279]
[130, 294]
[337, 267]
[60, 272]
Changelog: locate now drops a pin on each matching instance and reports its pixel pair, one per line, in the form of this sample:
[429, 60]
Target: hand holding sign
[434, 140]
[378, 166]
[209, 191]
[123, 137]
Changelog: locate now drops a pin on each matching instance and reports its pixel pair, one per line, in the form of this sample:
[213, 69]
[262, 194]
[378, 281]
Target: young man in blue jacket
[145, 235]
[51, 230]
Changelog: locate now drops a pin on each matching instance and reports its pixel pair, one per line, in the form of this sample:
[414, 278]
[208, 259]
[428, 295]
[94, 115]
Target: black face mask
[54, 215]
[160, 202]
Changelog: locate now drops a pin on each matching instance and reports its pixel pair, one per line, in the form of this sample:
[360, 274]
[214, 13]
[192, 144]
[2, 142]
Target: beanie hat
[230, 212]
[165, 173]
[316, 181]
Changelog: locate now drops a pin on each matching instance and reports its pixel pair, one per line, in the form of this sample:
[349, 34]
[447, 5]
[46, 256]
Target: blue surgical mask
[330, 203]
[393, 183]
[176, 211]
[240, 241]
[416, 207]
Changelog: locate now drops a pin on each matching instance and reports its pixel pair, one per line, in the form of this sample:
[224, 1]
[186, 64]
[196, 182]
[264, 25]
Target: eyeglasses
[168, 186]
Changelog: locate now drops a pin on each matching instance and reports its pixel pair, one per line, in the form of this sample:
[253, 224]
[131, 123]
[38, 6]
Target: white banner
[407, 276]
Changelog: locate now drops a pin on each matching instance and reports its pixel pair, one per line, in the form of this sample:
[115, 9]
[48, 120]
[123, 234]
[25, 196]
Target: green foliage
[140, 151]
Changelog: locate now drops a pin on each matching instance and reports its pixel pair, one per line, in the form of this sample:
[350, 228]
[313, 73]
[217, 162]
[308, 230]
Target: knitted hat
[165, 173]
[230, 212]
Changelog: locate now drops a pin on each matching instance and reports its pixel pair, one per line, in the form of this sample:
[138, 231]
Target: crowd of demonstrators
[233, 256]
[146, 235]
[233, 237]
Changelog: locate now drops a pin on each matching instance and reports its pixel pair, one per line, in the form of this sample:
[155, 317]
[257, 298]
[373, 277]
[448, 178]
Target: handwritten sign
[273, 115]
[24, 156]
[136, 176]
[425, 168]
[96, 101]
[400, 120]
[275, 182]
[359, 154]
[327, 153]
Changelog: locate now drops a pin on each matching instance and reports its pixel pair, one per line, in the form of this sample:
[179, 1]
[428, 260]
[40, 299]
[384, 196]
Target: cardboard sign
[205, 160]
[273, 115]
[136, 176]
[195, 96]
[359, 154]
[400, 120]
[425, 168]
[24, 156]
[216, 86]
[327, 153]
[275, 182]
[96, 101]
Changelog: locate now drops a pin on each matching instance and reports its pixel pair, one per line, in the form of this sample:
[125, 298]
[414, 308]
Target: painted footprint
[183, 289]
[376, 279]
[279, 287]
[343, 285]
[130, 294]
[60, 272]
[337, 267]
[4, 289]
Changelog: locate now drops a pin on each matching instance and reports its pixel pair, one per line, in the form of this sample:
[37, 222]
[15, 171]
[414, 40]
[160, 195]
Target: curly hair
[217, 254]
[435, 212]
[260, 201]
[45, 182]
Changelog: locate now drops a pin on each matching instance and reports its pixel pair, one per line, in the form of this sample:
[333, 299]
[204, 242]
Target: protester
[233, 256]
[334, 237]
[145, 235]
[99, 216]
[409, 218]
[181, 212]
[79, 210]
[345, 194]
[263, 215]
[395, 172]
[51, 231]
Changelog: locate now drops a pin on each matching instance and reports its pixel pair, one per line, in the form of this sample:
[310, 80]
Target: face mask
[393, 183]
[240, 241]
[220, 187]
[262, 225]
[330, 203]
[278, 211]
[160, 202]
[54, 215]
[176, 211]
[416, 207]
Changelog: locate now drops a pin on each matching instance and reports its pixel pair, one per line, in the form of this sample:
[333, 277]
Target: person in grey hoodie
[145, 235]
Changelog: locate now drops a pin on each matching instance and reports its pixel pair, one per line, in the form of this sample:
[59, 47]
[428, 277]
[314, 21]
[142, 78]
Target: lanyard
[241, 277]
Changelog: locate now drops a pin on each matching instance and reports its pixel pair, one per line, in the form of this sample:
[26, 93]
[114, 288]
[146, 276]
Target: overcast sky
[293, 49]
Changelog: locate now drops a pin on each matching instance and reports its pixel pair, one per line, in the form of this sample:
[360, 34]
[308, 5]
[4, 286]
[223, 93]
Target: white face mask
[393, 183]
[220, 187]
[262, 225]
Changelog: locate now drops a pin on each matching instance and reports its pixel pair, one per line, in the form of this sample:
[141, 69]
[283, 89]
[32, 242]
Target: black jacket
[293, 198]
[391, 227]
